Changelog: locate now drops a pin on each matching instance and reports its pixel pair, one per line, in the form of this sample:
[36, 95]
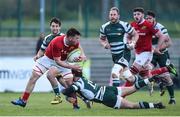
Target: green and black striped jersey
[48, 39]
[89, 90]
[115, 35]
[163, 30]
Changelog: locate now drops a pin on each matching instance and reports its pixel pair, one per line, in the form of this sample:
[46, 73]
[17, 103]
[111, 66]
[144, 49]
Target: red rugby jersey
[57, 48]
[145, 31]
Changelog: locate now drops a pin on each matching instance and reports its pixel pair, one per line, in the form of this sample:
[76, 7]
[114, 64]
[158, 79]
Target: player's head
[138, 14]
[150, 16]
[72, 36]
[55, 25]
[114, 14]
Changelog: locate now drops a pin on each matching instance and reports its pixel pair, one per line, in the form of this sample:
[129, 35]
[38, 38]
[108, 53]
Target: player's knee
[114, 75]
[166, 79]
[116, 70]
[128, 75]
[68, 76]
[34, 77]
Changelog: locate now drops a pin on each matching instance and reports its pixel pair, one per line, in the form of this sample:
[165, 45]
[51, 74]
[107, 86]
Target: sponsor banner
[15, 73]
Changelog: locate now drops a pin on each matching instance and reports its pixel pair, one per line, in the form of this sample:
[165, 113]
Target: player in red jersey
[54, 60]
[143, 47]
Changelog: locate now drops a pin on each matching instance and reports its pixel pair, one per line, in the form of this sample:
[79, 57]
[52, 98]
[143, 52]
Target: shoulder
[159, 26]
[148, 24]
[105, 25]
[48, 36]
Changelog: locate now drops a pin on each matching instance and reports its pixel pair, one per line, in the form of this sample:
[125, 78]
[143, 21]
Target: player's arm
[104, 42]
[39, 54]
[167, 43]
[71, 89]
[161, 39]
[41, 50]
[82, 56]
[132, 39]
[67, 65]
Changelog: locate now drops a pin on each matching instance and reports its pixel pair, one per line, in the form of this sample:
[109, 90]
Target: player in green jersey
[163, 59]
[112, 36]
[109, 95]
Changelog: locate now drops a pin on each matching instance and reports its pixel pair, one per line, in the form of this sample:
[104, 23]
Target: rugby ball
[73, 54]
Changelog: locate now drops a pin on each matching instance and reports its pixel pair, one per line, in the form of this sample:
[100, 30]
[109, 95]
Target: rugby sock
[116, 82]
[143, 83]
[159, 71]
[56, 90]
[145, 105]
[171, 91]
[25, 96]
[128, 84]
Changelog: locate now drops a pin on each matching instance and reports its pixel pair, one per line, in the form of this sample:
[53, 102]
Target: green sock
[116, 82]
[141, 83]
[146, 105]
[171, 91]
[56, 90]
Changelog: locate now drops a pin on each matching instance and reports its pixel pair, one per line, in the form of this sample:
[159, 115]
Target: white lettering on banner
[15, 73]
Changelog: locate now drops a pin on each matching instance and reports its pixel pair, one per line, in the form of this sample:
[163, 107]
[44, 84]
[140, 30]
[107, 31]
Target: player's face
[150, 19]
[73, 40]
[55, 28]
[138, 16]
[113, 16]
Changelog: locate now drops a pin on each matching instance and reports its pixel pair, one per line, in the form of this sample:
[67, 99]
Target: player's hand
[107, 46]
[130, 45]
[36, 57]
[80, 58]
[76, 68]
[157, 51]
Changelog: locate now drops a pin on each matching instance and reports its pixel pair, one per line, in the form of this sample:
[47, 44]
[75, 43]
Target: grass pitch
[39, 105]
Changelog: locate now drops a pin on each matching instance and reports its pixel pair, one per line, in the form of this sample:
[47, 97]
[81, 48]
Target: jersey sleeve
[162, 29]
[127, 27]
[44, 44]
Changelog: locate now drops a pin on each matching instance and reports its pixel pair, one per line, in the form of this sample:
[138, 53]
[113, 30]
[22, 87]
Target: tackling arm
[68, 91]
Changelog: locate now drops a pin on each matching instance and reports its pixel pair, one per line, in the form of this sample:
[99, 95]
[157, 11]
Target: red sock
[25, 96]
[128, 84]
[159, 71]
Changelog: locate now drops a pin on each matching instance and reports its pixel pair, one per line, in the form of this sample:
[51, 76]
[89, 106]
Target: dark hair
[72, 32]
[55, 20]
[139, 9]
[151, 13]
[115, 8]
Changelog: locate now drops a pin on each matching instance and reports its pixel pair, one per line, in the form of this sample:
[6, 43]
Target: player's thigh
[110, 97]
[42, 65]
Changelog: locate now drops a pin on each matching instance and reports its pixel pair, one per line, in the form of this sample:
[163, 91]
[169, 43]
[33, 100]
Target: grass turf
[39, 105]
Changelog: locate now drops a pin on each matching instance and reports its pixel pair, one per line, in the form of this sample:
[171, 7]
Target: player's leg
[125, 104]
[115, 73]
[167, 81]
[51, 75]
[38, 70]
